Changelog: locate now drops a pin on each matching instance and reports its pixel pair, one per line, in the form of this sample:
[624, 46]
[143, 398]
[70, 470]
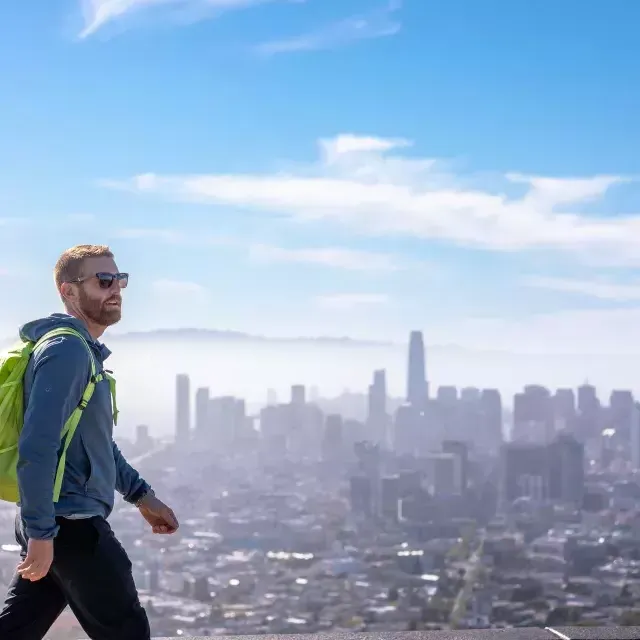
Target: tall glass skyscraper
[417, 390]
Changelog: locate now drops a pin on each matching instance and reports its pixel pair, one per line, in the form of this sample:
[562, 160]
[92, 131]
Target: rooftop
[555, 633]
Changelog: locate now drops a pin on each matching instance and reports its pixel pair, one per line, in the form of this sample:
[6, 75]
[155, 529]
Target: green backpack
[13, 365]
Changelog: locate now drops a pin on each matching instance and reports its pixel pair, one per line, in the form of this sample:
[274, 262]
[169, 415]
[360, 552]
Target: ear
[68, 292]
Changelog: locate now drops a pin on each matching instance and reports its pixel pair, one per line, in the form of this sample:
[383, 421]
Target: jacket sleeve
[128, 480]
[61, 369]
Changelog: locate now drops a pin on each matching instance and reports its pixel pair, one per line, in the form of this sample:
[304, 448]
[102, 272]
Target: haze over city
[379, 346]
[247, 367]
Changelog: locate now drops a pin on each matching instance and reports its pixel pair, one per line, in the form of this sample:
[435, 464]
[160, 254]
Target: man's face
[100, 303]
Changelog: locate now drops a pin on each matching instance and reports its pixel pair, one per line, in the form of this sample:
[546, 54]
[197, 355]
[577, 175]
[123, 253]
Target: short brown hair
[69, 264]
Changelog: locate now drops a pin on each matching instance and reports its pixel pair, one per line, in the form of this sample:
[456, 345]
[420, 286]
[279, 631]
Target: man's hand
[158, 515]
[38, 561]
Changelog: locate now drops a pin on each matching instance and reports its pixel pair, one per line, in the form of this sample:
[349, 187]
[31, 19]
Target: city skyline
[564, 410]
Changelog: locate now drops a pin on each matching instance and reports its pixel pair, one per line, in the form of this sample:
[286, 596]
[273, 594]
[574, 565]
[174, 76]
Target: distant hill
[215, 335]
[195, 335]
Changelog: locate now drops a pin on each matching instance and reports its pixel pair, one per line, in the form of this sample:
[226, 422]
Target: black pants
[91, 573]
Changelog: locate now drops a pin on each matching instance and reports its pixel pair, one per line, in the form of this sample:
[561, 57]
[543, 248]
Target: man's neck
[94, 330]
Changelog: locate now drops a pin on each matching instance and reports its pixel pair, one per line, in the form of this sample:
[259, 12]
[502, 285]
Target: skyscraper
[589, 412]
[202, 410]
[533, 418]
[566, 470]
[298, 395]
[447, 396]
[552, 471]
[491, 408]
[183, 407]
[524, 471]
[564, 409]
[460, 449]
[378, 394]
[621, 415]
[377, 418]
[417, 390]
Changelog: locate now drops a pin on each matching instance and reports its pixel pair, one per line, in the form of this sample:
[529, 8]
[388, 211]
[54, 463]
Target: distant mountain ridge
[194, 333]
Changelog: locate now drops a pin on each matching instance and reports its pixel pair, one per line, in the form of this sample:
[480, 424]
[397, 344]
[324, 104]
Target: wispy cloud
[333, 257]
[174, 287]
[591, 288]
[336, 257]
[572, 331]
[378, 23]
[98, 13]
[348, 143]
[343, 301]
[372, 186]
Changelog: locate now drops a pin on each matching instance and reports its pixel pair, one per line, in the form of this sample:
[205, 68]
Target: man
[70, 555]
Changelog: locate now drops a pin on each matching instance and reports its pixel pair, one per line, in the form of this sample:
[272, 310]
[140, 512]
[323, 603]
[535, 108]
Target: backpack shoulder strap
[71, 424]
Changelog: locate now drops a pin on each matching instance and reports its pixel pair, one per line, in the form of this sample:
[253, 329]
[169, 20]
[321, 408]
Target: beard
[98, 312]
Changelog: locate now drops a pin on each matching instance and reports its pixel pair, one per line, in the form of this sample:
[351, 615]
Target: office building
[298, 395]
[461, 450]
[533, 419]
[202, 411]
[183, 408]
[377, 417]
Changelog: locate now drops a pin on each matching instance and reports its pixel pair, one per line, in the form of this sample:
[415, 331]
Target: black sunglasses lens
[105, 280]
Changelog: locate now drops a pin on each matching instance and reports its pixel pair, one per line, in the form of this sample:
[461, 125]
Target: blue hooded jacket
[56, 377]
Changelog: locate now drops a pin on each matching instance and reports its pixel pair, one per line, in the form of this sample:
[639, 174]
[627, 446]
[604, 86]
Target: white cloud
[368, 184]
[335, 148]
[335, 257]
[342, 301]
[377, 23]
[592, 288]
[575, 331]
[175, 287]
[98, 13]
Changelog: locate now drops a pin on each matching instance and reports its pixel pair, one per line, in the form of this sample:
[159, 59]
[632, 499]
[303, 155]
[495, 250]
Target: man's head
[90, 285]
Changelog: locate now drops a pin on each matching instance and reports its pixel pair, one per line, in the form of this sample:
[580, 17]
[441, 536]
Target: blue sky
[355, 167]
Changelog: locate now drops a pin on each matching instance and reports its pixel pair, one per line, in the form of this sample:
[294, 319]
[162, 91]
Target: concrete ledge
[556, 633]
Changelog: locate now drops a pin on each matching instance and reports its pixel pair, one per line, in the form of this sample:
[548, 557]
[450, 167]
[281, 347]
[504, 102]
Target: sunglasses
[106, 280]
